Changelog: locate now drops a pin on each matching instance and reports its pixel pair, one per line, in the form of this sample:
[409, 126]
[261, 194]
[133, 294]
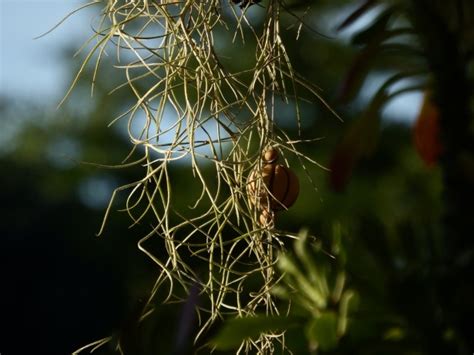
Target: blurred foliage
[400, 231]
[318, 306]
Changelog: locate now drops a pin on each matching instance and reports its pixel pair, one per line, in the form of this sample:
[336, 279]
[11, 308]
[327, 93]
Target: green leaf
[313, 273]
[323, 331]
[301, 283]
[237, 330]
[280, 292]
[348, 302]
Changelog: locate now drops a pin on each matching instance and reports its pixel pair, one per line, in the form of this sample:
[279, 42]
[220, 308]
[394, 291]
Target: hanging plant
[190, 106]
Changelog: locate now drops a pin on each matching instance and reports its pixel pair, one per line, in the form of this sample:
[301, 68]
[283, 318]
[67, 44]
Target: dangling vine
[194, 108]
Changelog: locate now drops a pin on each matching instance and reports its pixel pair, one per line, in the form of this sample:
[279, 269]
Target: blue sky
[32, 68]
[35, 70]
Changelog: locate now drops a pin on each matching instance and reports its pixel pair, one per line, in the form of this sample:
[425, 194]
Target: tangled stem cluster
[192, 107]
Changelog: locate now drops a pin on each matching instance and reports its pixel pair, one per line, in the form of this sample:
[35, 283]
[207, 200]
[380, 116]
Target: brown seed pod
[270, 155]
[278, 190]
[283, 186]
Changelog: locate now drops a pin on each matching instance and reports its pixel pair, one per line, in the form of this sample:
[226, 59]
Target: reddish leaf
[357, 73]
[426, 132]
[360, 140]
[342, 164]
[372, 39]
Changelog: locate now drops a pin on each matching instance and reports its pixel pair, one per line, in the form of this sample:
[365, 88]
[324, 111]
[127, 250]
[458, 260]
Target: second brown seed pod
[278, 188]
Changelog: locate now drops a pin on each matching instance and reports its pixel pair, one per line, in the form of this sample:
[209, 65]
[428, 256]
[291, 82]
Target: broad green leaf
[236, 330]
[323, 330]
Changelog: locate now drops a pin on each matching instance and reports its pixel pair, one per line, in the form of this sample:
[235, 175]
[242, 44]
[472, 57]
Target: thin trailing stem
[192, 108]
